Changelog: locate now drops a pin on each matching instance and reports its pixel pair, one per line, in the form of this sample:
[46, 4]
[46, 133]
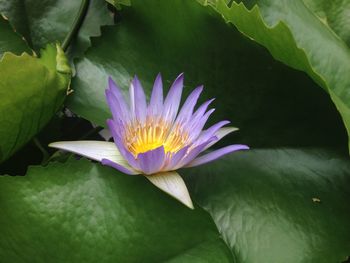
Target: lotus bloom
[157, 138]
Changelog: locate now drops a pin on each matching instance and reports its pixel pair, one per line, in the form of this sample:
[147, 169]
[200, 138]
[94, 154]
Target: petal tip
[172, 184]
[180, 78]
[111, 82]
[53, 144]
[109, 122]
[158, 80]
[237, 147]
[135, 80]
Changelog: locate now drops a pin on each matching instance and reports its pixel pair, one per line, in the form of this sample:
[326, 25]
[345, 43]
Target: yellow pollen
[140, 138]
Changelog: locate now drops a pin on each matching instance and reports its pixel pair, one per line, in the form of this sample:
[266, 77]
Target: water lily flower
[157, 138]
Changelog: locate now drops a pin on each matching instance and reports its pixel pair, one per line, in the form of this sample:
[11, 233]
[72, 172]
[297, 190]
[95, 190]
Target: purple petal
[115, 127]
[197, 116]
[176, 158]
[115, 108]
[119, 143]
[216, 154]
[113, 105]
[210, 132]
[156, 103]
[172, 100]
[198, 126]
[188, 107]
[220, 134]
[139, 100]
[116, 91]
[116, 101]
[152, 161]
[193, 153]
[201, 111]
[119, 167]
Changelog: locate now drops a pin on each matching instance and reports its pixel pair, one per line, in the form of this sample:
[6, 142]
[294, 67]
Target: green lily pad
[83, 212]
[281, 205]
[31, 91]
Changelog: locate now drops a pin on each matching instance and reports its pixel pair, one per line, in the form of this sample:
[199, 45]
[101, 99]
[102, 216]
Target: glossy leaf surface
[31, 91]
[80, 211]
[281, 205]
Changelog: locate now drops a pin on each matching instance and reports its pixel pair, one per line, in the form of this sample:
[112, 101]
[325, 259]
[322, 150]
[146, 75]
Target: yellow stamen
[143, 137]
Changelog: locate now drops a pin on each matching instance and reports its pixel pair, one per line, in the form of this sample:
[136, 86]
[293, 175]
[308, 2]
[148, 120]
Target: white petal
[222, 132]
[95, 150]
[173, 184]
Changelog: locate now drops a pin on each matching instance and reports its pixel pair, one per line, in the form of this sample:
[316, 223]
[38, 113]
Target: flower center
[140, 138]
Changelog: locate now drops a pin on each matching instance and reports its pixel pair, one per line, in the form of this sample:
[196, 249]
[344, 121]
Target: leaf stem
[45, 154]
[76, 24]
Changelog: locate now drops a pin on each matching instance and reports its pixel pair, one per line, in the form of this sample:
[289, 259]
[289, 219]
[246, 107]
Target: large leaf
[295, 36]
[42, 22]
[283, 205]
[83, 212]
[10, 40]
[31, 91]
[270, 103]
[96, 16]
[335, 14]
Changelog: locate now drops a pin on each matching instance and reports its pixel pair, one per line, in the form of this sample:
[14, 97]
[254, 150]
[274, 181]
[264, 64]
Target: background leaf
[31, 91]
[80, 211]
[271, 104]
[42, 22]
[334, 14]
[10, 40]
[295, 36]
[281, 205]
